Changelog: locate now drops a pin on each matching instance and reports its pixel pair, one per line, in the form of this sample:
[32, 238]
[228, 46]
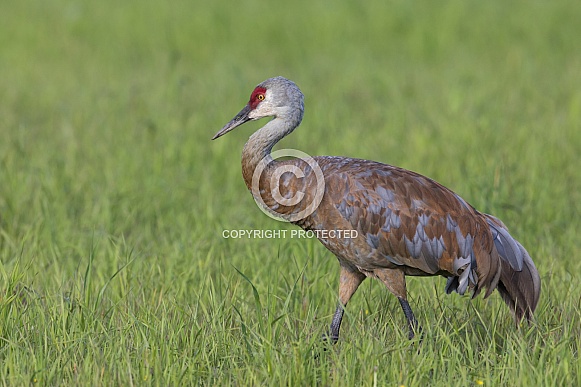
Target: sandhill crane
[401, 223]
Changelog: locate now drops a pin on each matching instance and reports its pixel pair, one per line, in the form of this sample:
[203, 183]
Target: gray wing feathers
[508, 248]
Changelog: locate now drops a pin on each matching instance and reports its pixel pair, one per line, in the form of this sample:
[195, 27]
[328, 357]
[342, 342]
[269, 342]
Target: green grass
[113, 269]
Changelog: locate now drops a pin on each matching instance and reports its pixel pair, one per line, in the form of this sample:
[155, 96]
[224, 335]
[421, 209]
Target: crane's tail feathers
[520, 289]
[520, 283]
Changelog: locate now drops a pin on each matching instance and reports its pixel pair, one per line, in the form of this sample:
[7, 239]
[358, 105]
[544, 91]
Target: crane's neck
[260, 144]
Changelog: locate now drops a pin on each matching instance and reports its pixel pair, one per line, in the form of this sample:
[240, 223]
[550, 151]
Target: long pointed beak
[240, 118]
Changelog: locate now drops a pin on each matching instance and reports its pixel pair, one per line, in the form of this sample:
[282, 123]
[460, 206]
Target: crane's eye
[260, 97]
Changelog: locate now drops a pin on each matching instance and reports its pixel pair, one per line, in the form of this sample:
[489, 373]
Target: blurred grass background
[113, 268]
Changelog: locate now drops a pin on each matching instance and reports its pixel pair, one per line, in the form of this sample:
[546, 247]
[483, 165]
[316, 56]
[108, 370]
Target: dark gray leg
[409, 315]
[336, 324]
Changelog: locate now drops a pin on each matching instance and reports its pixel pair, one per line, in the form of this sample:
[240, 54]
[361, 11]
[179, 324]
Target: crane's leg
[349, 281]
[413, 325]
[394, 280]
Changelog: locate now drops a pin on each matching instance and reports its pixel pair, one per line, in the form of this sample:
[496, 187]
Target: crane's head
[275, 97]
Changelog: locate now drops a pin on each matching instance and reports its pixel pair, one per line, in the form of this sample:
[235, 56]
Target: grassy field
[113, 199]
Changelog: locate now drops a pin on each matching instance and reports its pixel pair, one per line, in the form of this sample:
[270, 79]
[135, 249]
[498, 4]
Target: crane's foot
[329, 338]
[415, 331]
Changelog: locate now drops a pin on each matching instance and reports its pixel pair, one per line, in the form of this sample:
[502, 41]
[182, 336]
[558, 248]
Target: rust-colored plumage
[403, 223]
